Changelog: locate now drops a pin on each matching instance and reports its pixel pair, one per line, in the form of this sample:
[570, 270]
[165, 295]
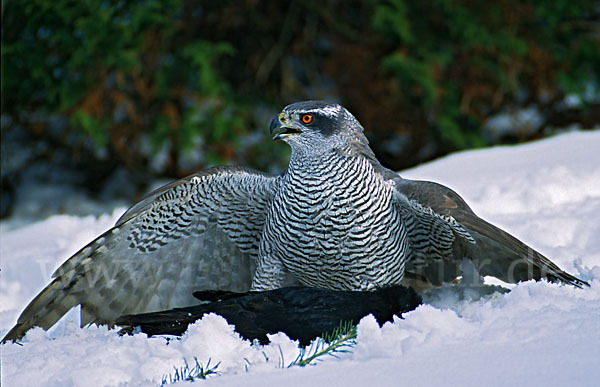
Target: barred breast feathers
[332, 224]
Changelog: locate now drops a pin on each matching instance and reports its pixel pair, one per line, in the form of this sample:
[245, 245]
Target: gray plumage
[335, 219]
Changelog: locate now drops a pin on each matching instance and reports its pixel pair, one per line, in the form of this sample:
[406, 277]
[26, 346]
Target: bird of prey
[335, 219]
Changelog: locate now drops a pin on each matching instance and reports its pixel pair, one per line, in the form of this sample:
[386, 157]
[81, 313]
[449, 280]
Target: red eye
[307, 118]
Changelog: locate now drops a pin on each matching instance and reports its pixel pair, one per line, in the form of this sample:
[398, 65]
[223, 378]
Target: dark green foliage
[123, 73]
[176, 85]
[462, 61]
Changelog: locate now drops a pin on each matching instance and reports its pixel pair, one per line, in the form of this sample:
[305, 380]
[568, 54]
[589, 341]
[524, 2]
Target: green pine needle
[338, 341]
[187, 373]
[341, 340]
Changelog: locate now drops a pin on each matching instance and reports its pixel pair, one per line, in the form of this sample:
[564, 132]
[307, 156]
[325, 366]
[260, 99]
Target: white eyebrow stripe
[329, 110]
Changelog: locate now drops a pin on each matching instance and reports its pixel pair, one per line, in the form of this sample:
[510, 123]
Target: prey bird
[302, 313]
[335, 219]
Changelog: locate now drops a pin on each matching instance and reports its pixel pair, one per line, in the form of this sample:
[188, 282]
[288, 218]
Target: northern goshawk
[334, 219]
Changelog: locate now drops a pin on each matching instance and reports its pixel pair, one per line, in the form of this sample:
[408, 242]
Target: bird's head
[316, 126]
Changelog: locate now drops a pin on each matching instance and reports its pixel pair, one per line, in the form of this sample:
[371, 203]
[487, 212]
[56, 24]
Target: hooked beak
[280, 131]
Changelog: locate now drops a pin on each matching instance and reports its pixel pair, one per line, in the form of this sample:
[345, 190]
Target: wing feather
[493, 251]
[201, 232]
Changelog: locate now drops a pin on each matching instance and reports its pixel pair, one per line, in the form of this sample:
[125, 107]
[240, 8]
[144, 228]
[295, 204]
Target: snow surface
[546, 193]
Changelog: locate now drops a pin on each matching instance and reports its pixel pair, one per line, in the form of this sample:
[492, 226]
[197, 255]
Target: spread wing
[442, 230]
[201, 232]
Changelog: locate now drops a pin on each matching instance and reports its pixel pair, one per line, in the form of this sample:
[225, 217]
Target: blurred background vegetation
[162, 88]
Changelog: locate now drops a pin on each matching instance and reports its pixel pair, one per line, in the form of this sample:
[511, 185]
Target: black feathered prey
[301, 313]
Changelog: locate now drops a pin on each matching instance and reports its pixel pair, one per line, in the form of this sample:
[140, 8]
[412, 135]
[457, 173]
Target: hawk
[335, 219]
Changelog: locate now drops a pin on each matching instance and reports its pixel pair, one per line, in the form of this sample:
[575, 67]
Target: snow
[546, 193]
